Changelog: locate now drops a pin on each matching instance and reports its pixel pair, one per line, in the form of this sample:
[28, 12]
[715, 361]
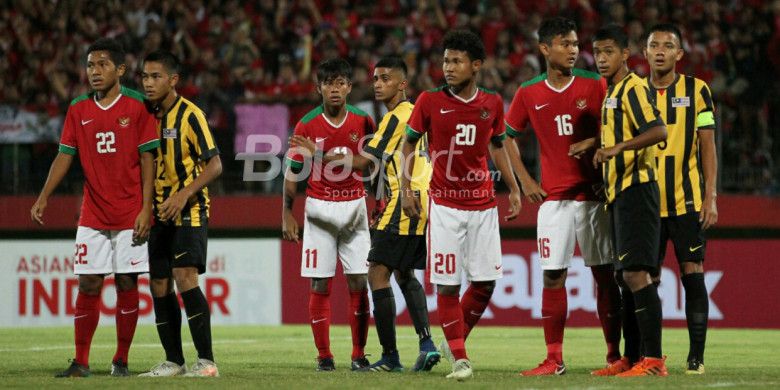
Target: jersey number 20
[105, 142]
[466, 134]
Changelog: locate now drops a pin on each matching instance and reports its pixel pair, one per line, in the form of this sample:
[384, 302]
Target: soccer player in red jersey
[114, 135]
[464, 124]
[335, 220]
[562, 106]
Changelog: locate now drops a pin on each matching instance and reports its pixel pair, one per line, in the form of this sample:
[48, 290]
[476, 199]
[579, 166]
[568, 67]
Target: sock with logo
[85, 322]
[199, 318]
[384, 318]
[126, 320]
[319, 316]
[451, 319]
[358, 321]
[697, 308]
[418, 310]
[648, 316]
[630, 327]
[167, 315]
[608, 307]
[554, 311]
[473, 303]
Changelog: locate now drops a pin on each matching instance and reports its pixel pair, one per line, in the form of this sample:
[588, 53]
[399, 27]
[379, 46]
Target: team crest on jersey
[353, 136]
[610, 103]
[123, 121]
[684, 101]
[484, 114]
[169, 133]
[581, 103]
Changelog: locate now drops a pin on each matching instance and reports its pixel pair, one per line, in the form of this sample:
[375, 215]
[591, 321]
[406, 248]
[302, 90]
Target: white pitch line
[107, 346]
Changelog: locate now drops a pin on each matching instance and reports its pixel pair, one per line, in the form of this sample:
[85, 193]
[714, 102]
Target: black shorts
[687, 237]
[398, 252]
[176, 246]
[636, 225]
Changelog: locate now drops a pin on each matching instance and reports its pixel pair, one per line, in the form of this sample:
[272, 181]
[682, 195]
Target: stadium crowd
[262, 52]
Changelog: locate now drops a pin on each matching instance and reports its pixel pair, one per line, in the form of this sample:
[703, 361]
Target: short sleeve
[204, 143]
[517, 117]
[386, 137]
[68, 141]
[641, 109]
[420, 119]
[148, 139]
[705, 109]
[499, 127]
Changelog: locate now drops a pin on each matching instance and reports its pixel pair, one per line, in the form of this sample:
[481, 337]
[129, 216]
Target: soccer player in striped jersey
[630, 127]
[464, 124]
[562, 106]
[114, 137]
[335, 218]
[687, 172]
[187, 161]
[397, 241]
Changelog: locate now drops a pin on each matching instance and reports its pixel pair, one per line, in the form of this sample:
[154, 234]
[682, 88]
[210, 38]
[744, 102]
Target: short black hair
[465, 40]
[112, 46]
[666, 27]
[392, 62]
[553, 27]
[167, 59]
[331, 69]
[613, 32]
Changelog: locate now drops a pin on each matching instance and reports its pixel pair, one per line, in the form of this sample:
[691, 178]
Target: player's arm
[175, 203]
[409, 202]
[531, 188]
[59, 168]
[498, 152]
[356, 161]
[289, 225]
[709, 209]
[143, 222]
[578, 149]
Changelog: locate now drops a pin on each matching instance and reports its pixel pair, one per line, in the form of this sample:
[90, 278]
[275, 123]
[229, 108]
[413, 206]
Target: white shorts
[331, 230]
[108, 251]
[562, 223]
[463, 243]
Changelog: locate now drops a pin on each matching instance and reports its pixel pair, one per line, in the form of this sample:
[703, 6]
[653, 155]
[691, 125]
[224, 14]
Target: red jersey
[560, 118]
[333, 184]
[459, 132]
[109, 142]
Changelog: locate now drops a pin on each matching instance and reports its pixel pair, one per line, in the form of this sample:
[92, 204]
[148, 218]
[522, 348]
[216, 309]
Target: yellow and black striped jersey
[185, 145]
[627, 111]
[386, 147]
[686, 107]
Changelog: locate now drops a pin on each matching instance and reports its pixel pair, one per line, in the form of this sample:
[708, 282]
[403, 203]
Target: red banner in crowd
[741, 277]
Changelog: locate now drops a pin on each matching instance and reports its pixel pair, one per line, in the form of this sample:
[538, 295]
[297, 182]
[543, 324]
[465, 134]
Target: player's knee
[90, 284]
[186, 278]
[554, 278]
[161, 287]
[320, 285]
[448, 290]
[691, 267]
[487, 286]
[357, 282]
[126, 282]
[403, 277]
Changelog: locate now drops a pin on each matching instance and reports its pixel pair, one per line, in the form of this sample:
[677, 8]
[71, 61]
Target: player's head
[558, 43]
[463, 56]
[334, 81]
[664, 47]
[610, 48]
[390, 78]
[160, 74]
[105, 64]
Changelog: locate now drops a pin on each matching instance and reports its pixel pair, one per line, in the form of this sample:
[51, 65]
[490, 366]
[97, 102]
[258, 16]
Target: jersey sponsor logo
[484, 114]
[123, 121]
[610, 103]
[581, 103]
[443, 111]
[169, 133]
[683, 101]
[538, 107]
[83, 122]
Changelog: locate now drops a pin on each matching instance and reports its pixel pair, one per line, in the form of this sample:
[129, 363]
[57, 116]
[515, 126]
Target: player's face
[663, 51]
[334, 91]
[459, 69]
[609, 57]
[388, 83]
[158, 83]
[102, 73]
[563, 52]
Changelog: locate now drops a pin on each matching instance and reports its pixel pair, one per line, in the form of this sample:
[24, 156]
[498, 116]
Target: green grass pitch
[284, 357]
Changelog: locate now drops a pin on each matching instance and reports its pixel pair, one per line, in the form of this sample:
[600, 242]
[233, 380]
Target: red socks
[451, 318]
[608, 306]
[358, 321]
[126, 320]
[319, 315]
[85, 322]
[554, 311]
[474, 302]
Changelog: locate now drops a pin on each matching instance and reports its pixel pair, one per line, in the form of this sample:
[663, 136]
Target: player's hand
[515, 205]
[36, 212]
[289, 226]
[605, 154]
[410, 203]
[303, 142]
[172, 206]
[578, 149]
[143, 223]
[709, 212]
[533, 191]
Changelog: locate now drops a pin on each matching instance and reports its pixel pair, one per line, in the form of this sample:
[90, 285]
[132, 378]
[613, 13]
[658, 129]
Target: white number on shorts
[544, 248]
[311, 258]
[466, 134]
[445, 263]
[564, 126]
[105, 143]
[81, 251]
